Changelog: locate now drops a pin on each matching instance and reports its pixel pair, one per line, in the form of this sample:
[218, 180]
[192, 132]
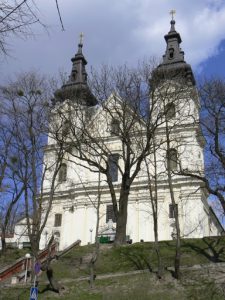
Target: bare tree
[212, 94]
[17, 19]
[95, 254]
[10, 189]
[181, 111]
[153, 175]
[27, 104]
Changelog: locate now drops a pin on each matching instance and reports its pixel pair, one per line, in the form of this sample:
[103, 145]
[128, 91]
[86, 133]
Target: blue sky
[120, 31]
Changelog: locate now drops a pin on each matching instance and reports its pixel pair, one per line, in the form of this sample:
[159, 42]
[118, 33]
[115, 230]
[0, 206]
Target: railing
[20, 264]
[77, 243]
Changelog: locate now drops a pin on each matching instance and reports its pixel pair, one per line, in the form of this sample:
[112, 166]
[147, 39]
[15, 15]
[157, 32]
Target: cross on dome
[81, 38]
[172, 13]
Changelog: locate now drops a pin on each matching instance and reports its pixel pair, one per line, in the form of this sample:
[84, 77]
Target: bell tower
[76, 89]
[173, 65]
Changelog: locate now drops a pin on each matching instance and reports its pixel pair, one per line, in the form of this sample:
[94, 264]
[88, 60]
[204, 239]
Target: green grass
[140, 286]
[11, 256]
[137, 287]
[141, 255]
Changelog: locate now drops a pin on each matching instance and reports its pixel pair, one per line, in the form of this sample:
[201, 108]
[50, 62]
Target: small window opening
[172, 159]
[172, 210]
[115, 127]
[113, 166]
[65, 128]
[171, 53]
[170, 111]
[58, 220]
[74, 75]
[63, 173]
[110, 213]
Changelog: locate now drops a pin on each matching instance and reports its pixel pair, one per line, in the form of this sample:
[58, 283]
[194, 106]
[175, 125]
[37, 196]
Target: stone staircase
[19, 265]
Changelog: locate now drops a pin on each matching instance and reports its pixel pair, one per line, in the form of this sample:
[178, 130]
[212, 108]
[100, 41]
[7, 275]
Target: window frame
[58, 220]
[172, 157]
[113, 170]
[62, 176]
[171, 53]
[65, 128]
[170, 111]
[110, 213]
[115, 127]
[172, 209]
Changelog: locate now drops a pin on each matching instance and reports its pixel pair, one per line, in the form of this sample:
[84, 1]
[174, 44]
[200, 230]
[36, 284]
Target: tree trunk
[178, 247]
[55, 286]
[34, 246]
[177, 226]
[154, 205]
[53, 282]
[157, 249]
[3, 243]
[175, 208]
[121, 221]
[95, 254]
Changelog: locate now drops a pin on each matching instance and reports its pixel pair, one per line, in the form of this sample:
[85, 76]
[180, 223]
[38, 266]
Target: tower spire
[78, 74]
[76, 88]
[173, 64]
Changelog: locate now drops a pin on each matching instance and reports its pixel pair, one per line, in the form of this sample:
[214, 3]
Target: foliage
[192, 285]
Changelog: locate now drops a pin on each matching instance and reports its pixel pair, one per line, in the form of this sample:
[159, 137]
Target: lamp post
[27, 257]
[46, 238]
[91, 235]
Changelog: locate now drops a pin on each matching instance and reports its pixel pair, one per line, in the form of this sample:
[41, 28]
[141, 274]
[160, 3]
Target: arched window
[171, 53]
[115, 127]
[65, 128]
[110, 213]
[74, 75]
[58, 220]
[170, 111]
[172, 159]
[113, 166]
[57, 237]
[85, 77]
[172, 210]
[63, 172]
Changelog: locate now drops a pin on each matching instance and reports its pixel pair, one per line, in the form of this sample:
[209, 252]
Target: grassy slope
[141, 286]
[11, 256]
[139, 256]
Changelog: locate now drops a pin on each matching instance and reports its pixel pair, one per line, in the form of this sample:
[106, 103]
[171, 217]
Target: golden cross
[172, 13]
[81, 38]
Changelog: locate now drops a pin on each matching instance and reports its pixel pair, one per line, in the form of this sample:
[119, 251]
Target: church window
[170, 111]
[115, 127]
[113, 166]
[74, 75]
[110, 214]
[65, 128]
[58, 220]
[63, 172]
[172, 159]
[172, 210]
[85, 77]
[171, 53]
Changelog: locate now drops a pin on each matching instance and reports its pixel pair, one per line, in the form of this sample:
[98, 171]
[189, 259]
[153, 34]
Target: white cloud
[201, 25]
[120, 30]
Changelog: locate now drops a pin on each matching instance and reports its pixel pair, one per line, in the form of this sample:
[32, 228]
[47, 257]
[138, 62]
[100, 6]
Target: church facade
[80, 189]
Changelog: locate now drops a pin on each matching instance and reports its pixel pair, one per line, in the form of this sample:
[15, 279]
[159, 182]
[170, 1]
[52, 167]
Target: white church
[73, 214]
